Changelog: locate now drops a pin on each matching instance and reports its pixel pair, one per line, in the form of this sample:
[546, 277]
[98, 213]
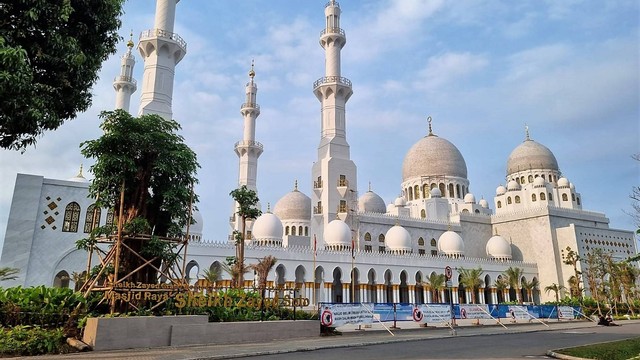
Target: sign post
[448, 273]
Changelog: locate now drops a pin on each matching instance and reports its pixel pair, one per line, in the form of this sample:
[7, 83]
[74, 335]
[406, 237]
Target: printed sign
[432, 313]
[334, 315]
[474, 311]
[565, 312]
[518, 312]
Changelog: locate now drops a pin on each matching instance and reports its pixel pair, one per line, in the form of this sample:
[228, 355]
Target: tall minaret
[161, 50]
[248, 149]
[125, 84]
[334, 174]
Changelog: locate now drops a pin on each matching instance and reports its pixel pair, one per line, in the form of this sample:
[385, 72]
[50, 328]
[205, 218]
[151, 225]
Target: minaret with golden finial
[125, 84]
[334, 173]
[248, 149]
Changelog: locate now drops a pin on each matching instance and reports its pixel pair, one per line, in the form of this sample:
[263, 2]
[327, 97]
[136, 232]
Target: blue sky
[482, 69]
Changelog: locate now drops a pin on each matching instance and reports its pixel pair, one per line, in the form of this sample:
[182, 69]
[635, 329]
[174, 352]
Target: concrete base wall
[149, 332]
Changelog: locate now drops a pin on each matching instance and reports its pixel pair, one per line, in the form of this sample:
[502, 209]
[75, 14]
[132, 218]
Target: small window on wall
[423, 213]
[550, 197]
[542, 196]
[381, 249]
[110, 217]
[509, 200]
[381, 238]
[306, 231]
[573, 197]
[565, 197]
[434, 252]
[533, 197]
[420, 242]
[71, 217]
[286, 230]
[422, 251]
[530, 179]
[517, 199]
[499, 204]
[89, 218]
[368, 248]
[293, 230]
[367, 237]
[578, 201]
[433, 242]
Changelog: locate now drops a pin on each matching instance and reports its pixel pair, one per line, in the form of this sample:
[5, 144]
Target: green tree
[51, 53]
[7, 273]
[211, 276]
[472, 280]
[246, 200]
[436, 282]
[530, 286]
[572, 258]
[556, 290]
[501, 284]
[513, 275]
[147, 158]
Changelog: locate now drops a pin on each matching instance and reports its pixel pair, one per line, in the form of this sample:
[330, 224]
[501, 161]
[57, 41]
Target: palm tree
[7, 273]
[574, 287]
[501, 284]
[211, 276]
[572, 258]
[556, 290]
[513, 275]
[436, 282]
[471, 279]
[236, 272]
[78, 280]
[530, 286]
[262, 269]
[246, 200]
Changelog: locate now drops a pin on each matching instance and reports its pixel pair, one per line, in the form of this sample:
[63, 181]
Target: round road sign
[448, 272]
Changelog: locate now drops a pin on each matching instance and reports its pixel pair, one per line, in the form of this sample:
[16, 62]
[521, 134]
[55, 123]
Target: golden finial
[526, 131]
[130, 42]
[295, 185]
[369, 186]
[252, 73]
[430, 129]
[80, 173]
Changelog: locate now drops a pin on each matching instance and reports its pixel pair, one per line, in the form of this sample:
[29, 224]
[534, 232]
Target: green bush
[40, 305]
[27, 340]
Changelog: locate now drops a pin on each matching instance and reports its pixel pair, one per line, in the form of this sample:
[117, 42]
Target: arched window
[367, 237]
[381, 238]
[522, 180]
[423, 213]
[433, 186]
[509, 200]
[286, 230]
[433, 242]
[88, 219]
[573, 197]
[293, 230]
[517, 199]
[578, 201]
[565, 197]
[458, 193]
[530, 179]
[442, 189]
[499, 204]
[71, 217]
[543, 178]
[410, 193]
[518, 180]
[420, 241]
[416, 190]
[306, 231]
[110, 217]
[451, 194]
[533, 197]
[550, 197]
[477, 211]
[300, 230]
[543, 196]
[61, 280]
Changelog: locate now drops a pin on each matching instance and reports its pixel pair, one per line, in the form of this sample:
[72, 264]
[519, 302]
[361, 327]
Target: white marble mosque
[436, 222]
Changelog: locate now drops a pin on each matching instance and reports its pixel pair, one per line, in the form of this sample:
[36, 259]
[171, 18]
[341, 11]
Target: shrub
[27, 340]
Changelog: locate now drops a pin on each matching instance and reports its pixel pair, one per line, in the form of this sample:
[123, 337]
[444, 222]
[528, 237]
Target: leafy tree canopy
[50, 55]
[157, 168]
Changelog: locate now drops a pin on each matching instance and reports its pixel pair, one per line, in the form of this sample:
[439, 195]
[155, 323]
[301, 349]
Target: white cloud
[446, 69]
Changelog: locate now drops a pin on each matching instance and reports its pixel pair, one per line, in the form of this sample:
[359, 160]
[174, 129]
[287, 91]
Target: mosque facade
[333, 245]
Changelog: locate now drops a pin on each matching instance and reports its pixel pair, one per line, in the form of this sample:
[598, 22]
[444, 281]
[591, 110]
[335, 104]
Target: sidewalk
[351, 336]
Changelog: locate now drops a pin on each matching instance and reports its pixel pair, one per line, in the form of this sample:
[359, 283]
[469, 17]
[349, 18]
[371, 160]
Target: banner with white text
[334, 315]
[436, 313]
[474, 311]
[565, 312]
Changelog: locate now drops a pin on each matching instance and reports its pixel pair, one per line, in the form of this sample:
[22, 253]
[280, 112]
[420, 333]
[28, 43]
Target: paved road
[477, 342]
[531, 345]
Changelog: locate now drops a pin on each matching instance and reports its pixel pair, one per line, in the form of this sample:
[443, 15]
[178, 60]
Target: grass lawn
[615, 350]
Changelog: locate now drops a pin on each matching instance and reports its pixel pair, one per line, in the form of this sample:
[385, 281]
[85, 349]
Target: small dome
[538, 182]
[501, 190]
[398, 239]
[293, 206]
[436, 193]
[483, 203]
[571, 186]
[197, 227]
[79, 177]
[267, 227]
[433, 156]
[531, 155]
[563, 182]
[450, 243]
[499, 248]
[371, 202]
[469, 199]
[337, 233]
[400, 202]
[513, 186]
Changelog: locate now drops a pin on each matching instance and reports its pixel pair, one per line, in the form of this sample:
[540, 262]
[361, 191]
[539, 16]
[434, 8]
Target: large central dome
[531, 155]
[433, 156]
